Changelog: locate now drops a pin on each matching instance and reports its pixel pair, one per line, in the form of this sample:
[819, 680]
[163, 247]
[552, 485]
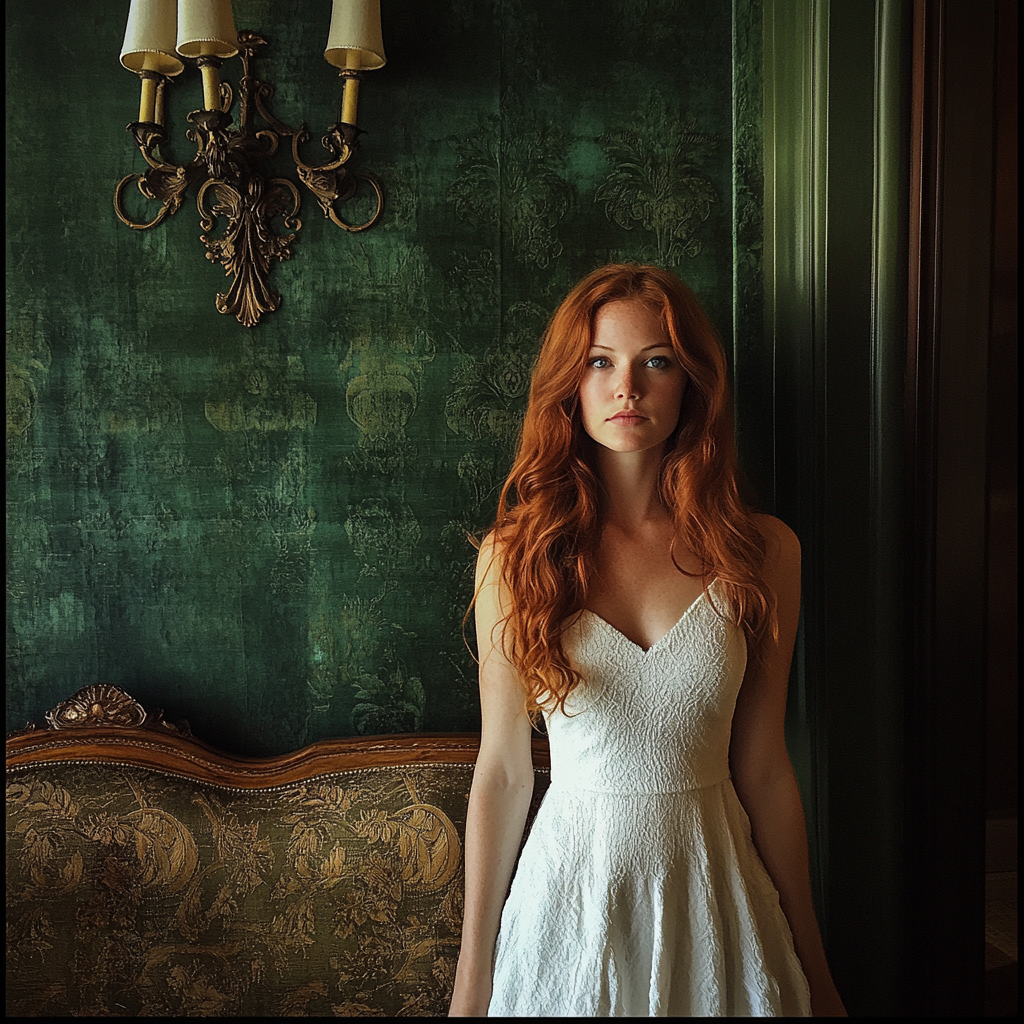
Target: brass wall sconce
[230, 163]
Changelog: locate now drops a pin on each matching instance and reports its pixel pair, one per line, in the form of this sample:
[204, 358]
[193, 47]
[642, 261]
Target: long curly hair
[547, 526]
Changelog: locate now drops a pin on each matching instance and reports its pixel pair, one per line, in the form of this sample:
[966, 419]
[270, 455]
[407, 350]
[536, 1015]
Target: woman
[630, 597]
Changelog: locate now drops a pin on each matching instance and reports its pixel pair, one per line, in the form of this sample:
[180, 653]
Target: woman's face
[632, 387]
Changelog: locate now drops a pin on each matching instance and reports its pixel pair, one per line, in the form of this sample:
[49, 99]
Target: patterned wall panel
[265, 530]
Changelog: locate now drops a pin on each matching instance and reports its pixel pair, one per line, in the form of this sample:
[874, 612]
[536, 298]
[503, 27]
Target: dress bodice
[649, 721]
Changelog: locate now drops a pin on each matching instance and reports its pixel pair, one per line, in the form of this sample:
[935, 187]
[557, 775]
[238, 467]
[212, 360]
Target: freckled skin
[633, 385]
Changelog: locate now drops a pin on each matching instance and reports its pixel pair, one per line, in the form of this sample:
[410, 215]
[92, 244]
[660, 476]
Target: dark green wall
[263, 530]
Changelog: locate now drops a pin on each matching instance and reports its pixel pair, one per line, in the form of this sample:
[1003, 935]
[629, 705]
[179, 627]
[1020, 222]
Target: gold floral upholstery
[132, 891]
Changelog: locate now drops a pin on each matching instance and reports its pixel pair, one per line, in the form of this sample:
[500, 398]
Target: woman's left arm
[763, 774]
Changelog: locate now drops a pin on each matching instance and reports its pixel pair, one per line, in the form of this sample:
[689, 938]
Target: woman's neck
[629, 481]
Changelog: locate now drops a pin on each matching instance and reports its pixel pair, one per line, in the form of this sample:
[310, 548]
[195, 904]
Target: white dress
[639, 892]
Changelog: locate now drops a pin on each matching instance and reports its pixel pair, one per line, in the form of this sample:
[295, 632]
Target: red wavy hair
[548, 520]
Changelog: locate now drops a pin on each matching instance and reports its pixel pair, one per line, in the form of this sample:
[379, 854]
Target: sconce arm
[261, 94]
[377, 187]
[164, 182]
[333, 182]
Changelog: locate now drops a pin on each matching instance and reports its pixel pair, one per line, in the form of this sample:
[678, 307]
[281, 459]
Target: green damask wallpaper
[264, 530]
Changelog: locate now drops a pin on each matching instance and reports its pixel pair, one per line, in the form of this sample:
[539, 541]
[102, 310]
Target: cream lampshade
[206, 28]
[149, 46]
[355, 40]
[149, 38]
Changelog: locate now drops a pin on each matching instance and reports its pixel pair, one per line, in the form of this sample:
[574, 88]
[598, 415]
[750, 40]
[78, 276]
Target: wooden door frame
[949, 318]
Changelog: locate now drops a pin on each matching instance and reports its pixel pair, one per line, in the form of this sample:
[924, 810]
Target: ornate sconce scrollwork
[232, 172]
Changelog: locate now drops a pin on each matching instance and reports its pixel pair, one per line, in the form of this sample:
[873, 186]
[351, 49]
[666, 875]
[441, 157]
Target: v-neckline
[646, 650]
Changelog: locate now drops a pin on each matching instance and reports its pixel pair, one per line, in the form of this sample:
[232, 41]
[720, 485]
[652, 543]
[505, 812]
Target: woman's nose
[625, 386]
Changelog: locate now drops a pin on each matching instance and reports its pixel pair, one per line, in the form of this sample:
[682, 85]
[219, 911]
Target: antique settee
[149, 874]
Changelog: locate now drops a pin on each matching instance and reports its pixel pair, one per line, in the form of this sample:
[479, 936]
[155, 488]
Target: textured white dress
[639, 892]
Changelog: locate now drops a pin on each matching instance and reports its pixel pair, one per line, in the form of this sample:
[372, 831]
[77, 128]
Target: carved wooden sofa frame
[150, 874]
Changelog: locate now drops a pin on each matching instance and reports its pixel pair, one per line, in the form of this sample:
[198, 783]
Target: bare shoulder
[494, 543]
[489, 558]
[783, 545]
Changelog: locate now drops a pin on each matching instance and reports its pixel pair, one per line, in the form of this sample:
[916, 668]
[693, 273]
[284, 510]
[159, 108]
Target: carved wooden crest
[97, 705]
[104, 706]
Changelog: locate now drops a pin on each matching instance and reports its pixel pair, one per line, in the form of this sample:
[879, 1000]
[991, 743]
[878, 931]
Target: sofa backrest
[149, 874]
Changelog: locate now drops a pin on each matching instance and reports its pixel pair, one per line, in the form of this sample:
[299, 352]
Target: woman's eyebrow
[646, 348]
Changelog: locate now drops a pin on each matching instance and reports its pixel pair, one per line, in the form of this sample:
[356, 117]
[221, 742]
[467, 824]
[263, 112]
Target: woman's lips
[627, 418]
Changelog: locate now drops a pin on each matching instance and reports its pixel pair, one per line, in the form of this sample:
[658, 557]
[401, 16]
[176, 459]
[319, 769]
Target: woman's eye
[599, 362]
[658, 362]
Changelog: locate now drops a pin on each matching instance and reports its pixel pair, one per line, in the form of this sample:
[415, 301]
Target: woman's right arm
[499, 798]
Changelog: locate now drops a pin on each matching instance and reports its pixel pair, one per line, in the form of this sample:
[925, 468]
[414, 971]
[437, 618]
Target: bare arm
[499, 798]
[764, 778]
